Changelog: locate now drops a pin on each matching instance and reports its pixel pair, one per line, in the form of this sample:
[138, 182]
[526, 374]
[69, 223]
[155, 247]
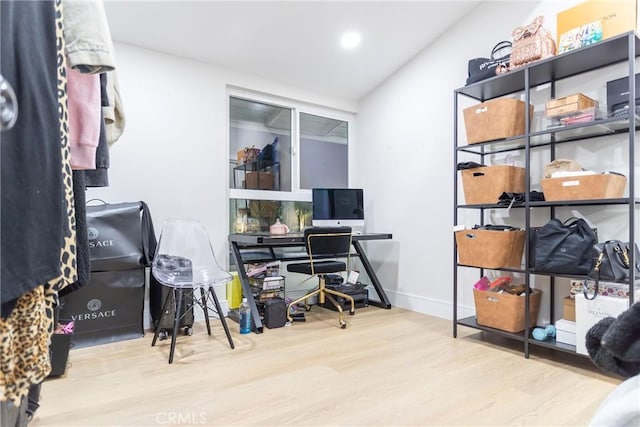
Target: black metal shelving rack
[615, 50]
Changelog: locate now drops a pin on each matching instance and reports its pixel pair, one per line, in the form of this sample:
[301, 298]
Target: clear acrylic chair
[185, 262]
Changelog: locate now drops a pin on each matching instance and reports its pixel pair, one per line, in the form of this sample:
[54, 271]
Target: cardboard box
[590, 312]
[617, 17]
[566, 331]
[490, 248]
[568, 104]
[584, 187]
[569, 309]
[495, 119]
[485, 185]
[505, 311]
[259, 180]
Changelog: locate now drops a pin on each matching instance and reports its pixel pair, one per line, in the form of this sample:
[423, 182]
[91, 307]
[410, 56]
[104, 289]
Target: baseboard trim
[431, 306]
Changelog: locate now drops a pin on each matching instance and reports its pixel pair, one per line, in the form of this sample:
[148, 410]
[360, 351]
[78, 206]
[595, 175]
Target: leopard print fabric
[25, 335]
[68, 251]
[25, 338]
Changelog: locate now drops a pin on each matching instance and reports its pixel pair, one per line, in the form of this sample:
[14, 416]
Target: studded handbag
[531, 43]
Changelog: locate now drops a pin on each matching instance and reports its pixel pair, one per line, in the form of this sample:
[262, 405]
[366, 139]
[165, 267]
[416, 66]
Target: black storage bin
[158, 293]
[358, 292]
[275, 313]
[110, 308]
[59, 352]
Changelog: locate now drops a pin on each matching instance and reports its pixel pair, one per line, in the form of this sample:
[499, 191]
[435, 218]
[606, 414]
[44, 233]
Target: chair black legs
[164, 310]
[177, 296]
[222, 318]
[203, 295]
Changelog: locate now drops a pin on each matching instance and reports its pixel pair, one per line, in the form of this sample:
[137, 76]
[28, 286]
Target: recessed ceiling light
[350, 40]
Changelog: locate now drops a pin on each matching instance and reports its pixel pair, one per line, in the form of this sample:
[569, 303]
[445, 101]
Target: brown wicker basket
[505, 311]
[585, 187]
[485, 185]
[489, 248]
[495, 119]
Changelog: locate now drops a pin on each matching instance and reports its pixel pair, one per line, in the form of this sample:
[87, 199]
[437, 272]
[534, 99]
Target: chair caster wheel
[343, 324]
[188, 331]
[307, 308]
[352, 312]
[163, 335]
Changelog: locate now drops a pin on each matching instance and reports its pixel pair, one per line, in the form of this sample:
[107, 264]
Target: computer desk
[263, 247]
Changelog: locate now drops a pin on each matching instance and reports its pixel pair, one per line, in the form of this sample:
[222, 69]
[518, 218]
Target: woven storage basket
[505, 311]
[495, 119]
[489, 248]
[586, 187]
[485, 185]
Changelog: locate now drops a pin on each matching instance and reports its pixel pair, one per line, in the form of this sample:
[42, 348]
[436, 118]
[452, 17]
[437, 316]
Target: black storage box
[109, 308]
[275, 313]
[618, 94]
[59, 352]
[358, 291]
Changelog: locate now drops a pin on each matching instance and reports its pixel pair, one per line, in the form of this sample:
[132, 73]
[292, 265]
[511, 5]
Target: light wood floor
[388, 368]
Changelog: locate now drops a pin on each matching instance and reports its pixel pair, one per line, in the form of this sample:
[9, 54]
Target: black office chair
[323, 243]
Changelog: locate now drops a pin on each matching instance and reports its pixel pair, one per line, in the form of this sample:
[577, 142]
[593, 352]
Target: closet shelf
[608, 52]
[560, 134]
[592, 202]
[539, 147]
[551, 343]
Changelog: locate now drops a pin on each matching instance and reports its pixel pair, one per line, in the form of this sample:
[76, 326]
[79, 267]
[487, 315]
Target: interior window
[249, 216]
[259, 146]
[277, 154]
[323, 152]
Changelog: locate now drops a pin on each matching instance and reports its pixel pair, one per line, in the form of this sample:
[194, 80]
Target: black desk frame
[240, 242]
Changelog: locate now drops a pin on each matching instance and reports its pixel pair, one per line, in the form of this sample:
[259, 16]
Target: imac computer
[338, 207]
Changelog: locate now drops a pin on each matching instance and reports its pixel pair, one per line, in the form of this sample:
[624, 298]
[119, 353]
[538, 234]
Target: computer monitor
[338, 207]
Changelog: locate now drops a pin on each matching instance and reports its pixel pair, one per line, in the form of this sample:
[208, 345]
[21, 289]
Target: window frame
[297, 107]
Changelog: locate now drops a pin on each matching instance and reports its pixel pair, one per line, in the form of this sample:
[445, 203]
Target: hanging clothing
[114, 118]
[27, 322]
[32, 212]
[99, 177]
[83, 92]
[89, 47]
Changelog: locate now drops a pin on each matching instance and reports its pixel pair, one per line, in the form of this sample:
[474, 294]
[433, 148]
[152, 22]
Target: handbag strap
[596, 288]
[149, 242]
[95, 200]
[571, 221]
[529, 30]
[500, 45]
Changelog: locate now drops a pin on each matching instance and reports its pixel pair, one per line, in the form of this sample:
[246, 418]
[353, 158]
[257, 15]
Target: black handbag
[484, 68]
[564, 247]
[533, 238]
[611, 262]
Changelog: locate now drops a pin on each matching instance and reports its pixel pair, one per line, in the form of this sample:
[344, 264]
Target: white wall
[174, 151]
[404, 155]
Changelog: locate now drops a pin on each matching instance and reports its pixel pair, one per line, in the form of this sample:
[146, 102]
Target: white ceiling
[293, 42]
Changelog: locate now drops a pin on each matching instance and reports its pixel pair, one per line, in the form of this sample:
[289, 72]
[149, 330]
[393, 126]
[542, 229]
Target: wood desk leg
[256, 322]
[384, 301]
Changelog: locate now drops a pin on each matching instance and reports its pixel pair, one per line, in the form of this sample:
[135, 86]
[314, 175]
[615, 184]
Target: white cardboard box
[566, 332]
[590, 312]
